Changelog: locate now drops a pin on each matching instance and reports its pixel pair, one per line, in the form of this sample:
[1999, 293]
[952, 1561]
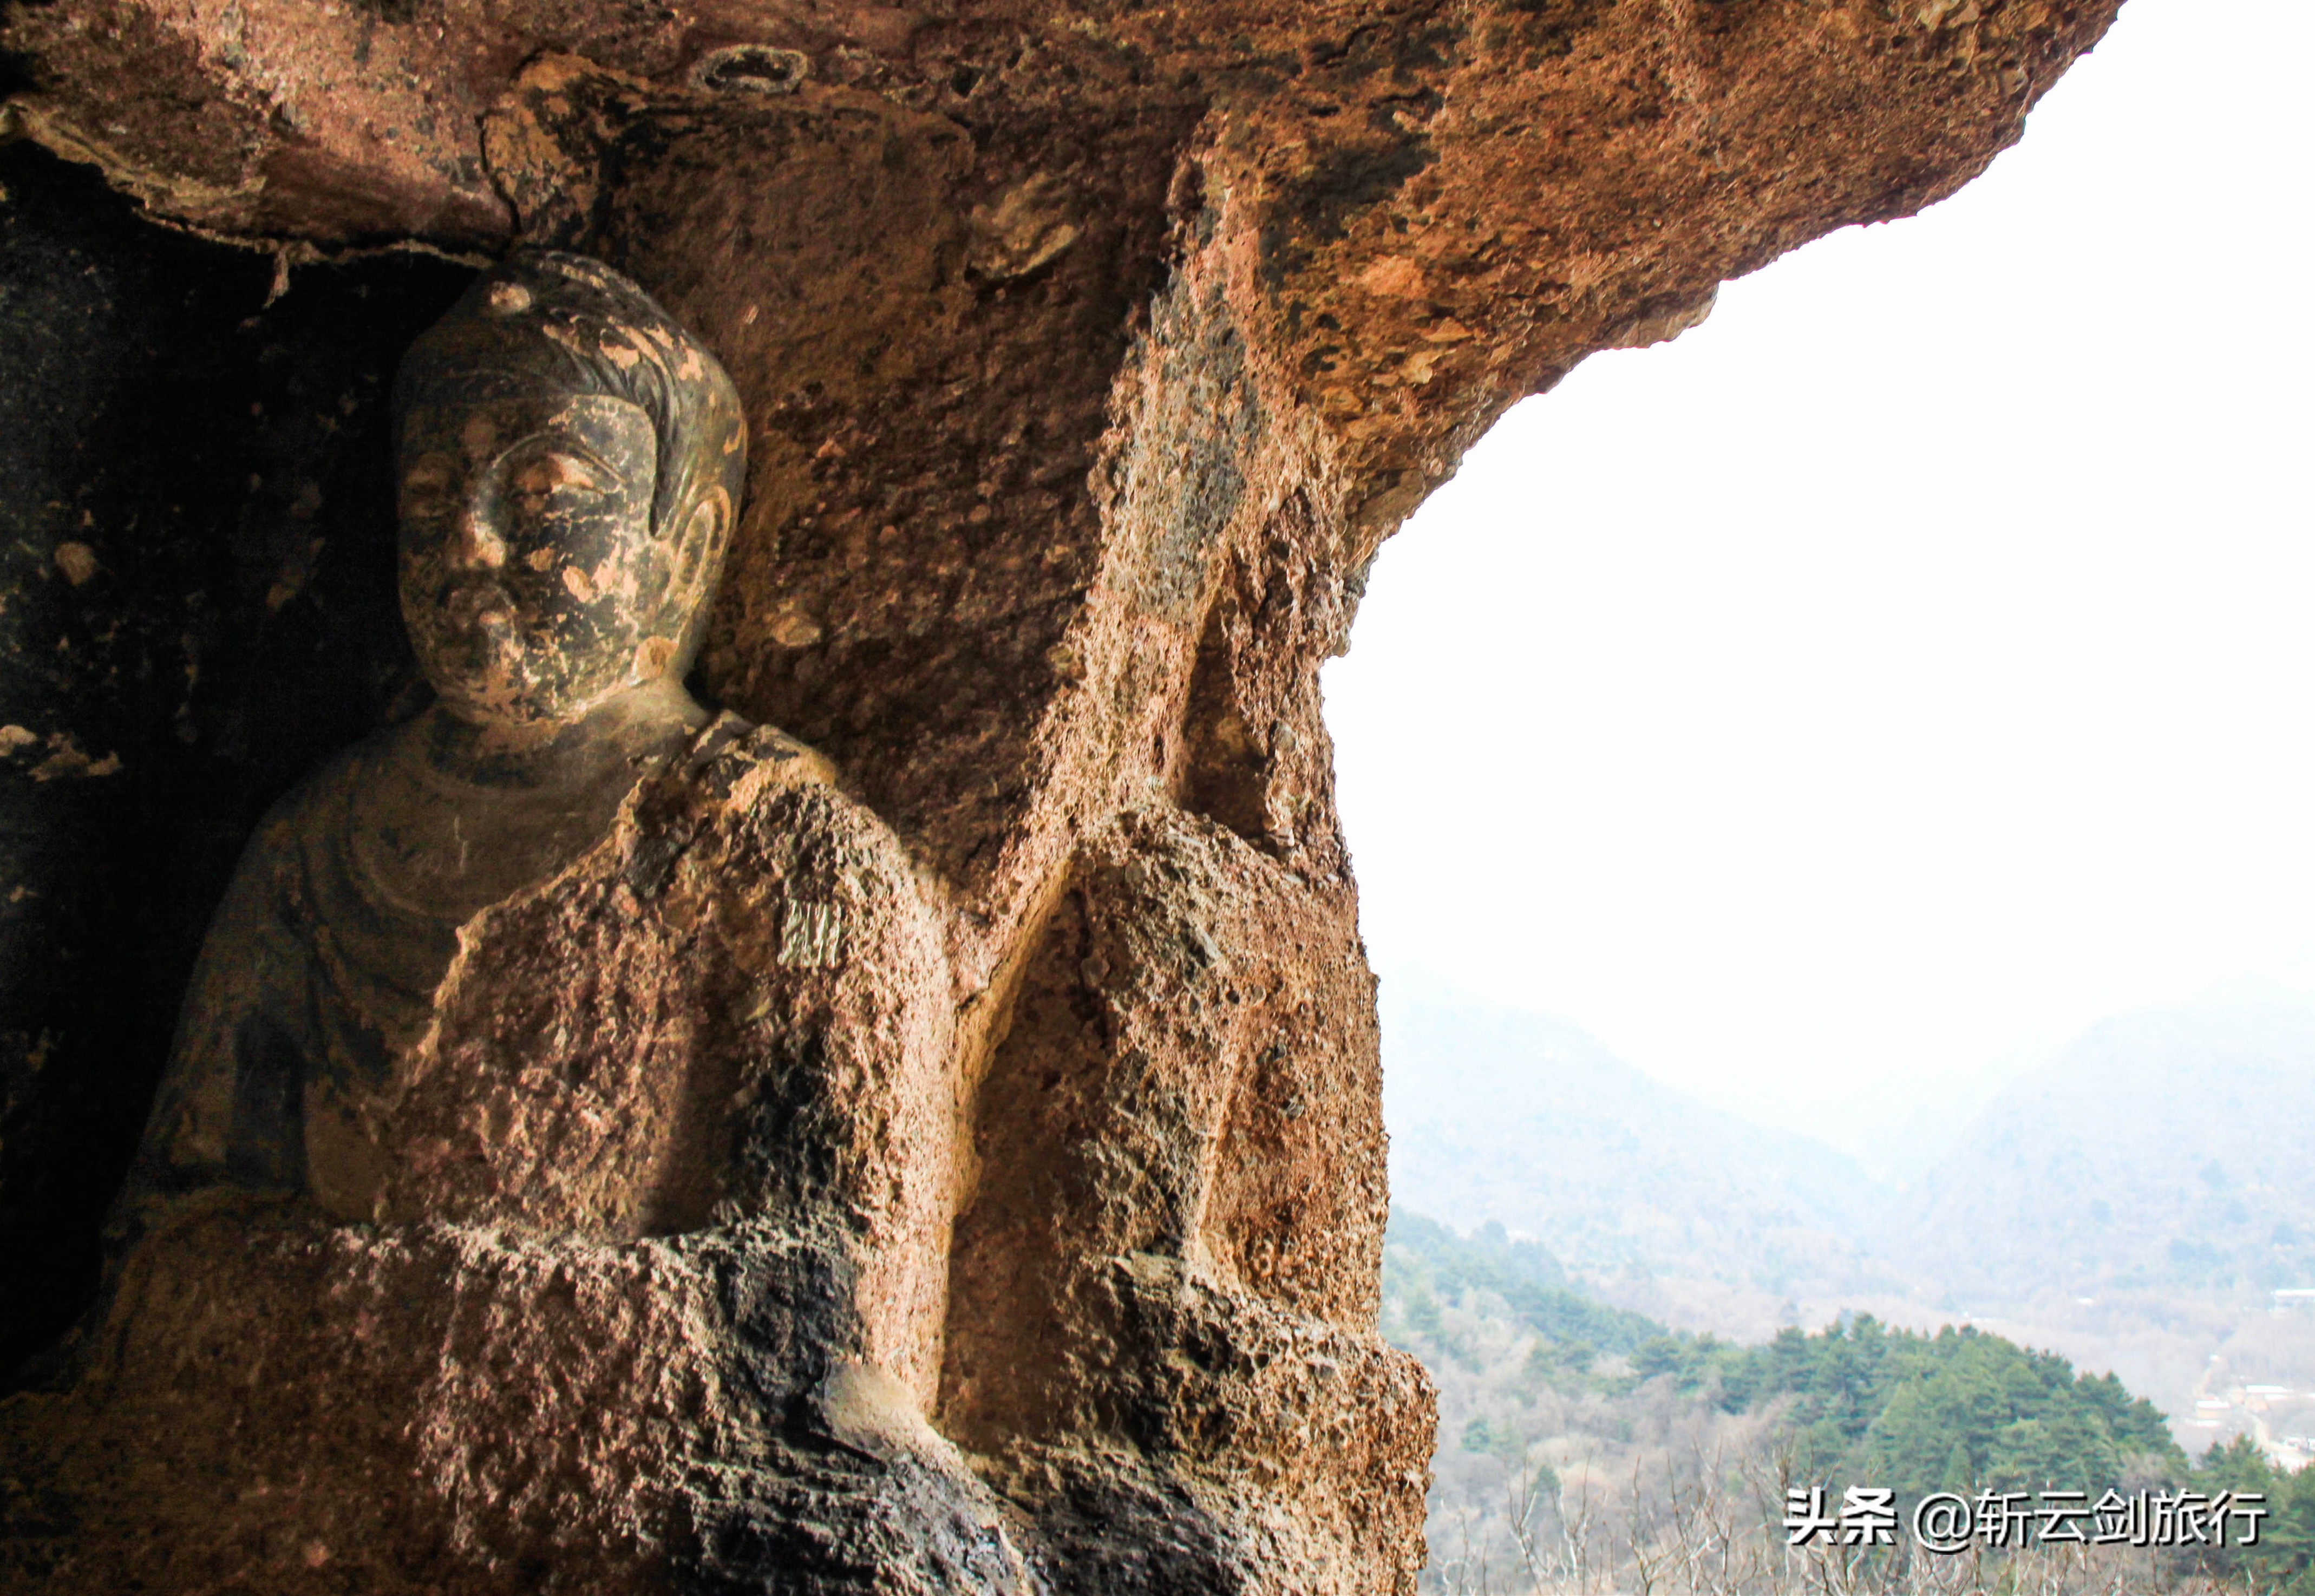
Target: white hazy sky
[1915, 664]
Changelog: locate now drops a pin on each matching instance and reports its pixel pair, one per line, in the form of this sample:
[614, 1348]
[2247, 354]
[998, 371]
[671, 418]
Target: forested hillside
[1575, 1437]
[1956, 1411]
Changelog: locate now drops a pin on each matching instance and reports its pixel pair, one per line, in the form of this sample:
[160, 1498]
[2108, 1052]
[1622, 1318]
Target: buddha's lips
[472, 607]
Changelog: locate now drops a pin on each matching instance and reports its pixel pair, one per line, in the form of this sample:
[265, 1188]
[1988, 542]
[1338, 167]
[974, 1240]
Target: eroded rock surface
[1088, 354]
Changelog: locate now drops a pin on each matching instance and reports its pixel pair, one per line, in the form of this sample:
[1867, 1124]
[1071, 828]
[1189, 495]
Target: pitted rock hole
[752, 69]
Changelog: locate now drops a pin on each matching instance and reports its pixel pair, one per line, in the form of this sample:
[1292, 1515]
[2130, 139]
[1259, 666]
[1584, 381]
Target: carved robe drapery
[732, 1009]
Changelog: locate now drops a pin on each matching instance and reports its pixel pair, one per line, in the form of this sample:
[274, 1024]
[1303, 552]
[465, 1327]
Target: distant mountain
[2171, 1151]
[1501, 1115]
[2130, 1204]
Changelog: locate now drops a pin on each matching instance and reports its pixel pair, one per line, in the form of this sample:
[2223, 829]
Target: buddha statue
[566, 954]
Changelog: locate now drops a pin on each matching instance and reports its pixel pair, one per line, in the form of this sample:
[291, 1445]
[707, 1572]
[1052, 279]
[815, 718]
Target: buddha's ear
[704, 531]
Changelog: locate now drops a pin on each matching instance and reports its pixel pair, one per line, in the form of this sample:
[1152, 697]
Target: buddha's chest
[554, 1060]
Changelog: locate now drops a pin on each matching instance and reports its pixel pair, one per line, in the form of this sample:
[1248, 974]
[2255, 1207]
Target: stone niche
[1088, 354]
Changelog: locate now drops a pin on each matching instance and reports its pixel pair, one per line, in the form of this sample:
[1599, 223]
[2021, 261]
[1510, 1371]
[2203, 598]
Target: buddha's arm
[229, 1110]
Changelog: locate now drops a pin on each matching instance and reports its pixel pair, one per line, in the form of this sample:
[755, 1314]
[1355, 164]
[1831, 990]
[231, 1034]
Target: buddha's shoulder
[767, 817]
[752, 781]
[312, 812]
[738, 766]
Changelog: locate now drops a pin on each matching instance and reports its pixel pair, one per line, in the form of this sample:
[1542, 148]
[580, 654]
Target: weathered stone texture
[1088, 353]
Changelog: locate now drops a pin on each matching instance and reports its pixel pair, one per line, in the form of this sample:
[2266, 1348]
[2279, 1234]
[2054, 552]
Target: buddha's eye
[554, 476]
[426, 486]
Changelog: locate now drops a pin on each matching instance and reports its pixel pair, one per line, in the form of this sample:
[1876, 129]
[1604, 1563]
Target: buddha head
[571, 464]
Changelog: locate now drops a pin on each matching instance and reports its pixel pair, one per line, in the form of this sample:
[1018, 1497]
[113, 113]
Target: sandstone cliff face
[1088, 355]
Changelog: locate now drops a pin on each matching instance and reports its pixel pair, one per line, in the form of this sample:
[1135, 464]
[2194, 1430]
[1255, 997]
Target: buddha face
[530, 581]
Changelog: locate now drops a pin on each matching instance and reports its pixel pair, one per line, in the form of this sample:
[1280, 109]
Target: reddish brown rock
[1088, 354]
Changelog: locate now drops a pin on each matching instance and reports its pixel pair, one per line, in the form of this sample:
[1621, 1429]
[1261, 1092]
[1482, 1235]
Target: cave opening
[1875, 695]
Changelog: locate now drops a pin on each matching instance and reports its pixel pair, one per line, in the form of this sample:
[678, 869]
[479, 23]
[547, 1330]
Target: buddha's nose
[473, 546]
